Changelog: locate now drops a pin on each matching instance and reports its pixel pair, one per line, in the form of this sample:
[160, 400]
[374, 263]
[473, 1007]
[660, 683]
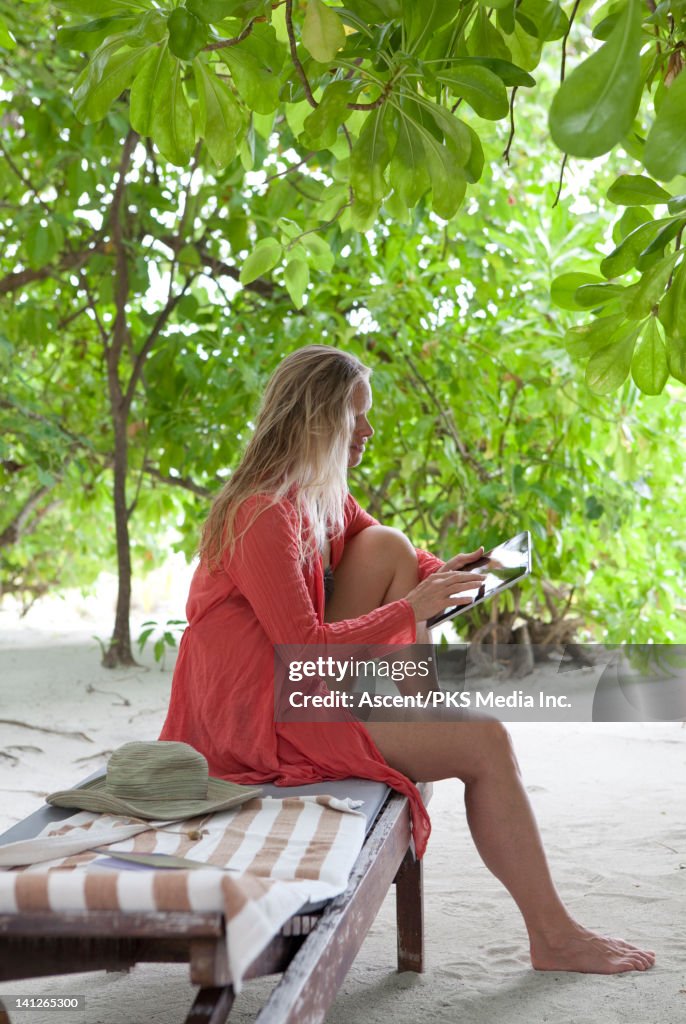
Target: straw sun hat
[157, 780]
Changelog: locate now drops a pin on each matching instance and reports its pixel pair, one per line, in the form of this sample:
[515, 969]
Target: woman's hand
[442, 590]
[459, 561]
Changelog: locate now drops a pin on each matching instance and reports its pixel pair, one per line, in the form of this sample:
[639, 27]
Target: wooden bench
[313, 951]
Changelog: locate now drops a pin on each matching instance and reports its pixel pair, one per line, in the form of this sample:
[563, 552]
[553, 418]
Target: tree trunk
[119, 651]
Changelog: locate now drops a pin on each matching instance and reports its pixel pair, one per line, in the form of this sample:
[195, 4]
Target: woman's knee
[378, 565]
[384, 542]
[492, 750]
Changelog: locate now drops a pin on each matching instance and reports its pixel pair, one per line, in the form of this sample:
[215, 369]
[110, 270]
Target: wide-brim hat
[158, 780]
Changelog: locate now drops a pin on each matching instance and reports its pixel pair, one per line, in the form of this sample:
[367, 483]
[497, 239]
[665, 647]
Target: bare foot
[578, 949]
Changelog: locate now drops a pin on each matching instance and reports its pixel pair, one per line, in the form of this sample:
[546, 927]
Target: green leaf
[563, 289]
[213, 11]
[375, 12]
[172, 122]
[143, 638]
[677, 204]
[525, 49]
[220, 120]
[636, 190]
[609, 368]
[43, 243]
[155, 65]
[7, 40]
[101, 8]
[649, 365]
[552, 23]
[507, 72]
[318, 248]
[187, 34]
[323, 34]
[261, 260]
[423, 18]
[596, 104]
[485, 40]
[631, 219]
[658, 245]
[408, 174]
[627, 253]
[92, 33]
[109, 72]
[650, 288]
[586, 339]
[459, 138]
[480, 88]
[590, 295]
[676, 357]
[369, 159]
[673, 305]
[255, 65]
[664, 155]
[321, 126]
[297, 278]
[447, 187]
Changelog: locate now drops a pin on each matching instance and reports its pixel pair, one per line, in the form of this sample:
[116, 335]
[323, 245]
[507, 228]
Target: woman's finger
[460, 577]
[458, 561]
[459, 586]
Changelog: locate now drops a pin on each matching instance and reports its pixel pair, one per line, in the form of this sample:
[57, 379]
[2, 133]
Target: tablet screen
[503, 565]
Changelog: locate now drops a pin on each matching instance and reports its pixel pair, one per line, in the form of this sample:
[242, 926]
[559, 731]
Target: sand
[610, 801]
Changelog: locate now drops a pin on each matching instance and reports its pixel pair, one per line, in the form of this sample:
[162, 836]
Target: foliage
[167, 639]
[376, 94]
[178, 290]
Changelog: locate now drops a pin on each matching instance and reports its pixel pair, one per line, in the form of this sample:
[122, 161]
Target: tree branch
[184, 214]
[180, 481]
[69, 261]
[223, 43]
[506, 153]
[26, 181]
[144, 351]
[562, 174]
[448, 422]
[563, 62]
[217, 266]
[121, 288]
[14, 530]
[294, 55]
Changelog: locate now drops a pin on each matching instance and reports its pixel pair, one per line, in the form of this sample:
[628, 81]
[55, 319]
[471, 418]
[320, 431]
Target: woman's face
[362, 431]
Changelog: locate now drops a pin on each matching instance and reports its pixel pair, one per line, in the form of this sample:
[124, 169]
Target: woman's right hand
[442, 590]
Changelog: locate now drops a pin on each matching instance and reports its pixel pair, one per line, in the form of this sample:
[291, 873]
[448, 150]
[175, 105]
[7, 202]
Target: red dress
[222, 697]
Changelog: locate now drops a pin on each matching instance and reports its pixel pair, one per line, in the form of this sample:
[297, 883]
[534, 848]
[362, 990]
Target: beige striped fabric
[262, 861]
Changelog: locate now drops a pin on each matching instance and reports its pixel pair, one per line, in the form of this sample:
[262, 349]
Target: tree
[375, 91]
[148, 301]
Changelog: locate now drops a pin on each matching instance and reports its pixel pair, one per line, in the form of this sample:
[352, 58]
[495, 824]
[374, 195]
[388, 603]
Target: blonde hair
[300, 449]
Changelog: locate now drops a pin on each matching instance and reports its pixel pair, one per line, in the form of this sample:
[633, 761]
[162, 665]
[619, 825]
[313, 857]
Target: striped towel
[265, 860]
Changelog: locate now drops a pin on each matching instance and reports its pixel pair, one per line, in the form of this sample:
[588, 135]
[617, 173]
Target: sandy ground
[610, 800]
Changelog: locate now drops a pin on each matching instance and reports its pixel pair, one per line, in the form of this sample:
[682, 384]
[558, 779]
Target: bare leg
[379, 566]
[479, 752]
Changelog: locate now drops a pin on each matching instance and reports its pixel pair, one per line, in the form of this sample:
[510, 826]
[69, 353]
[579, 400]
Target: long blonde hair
[300, 448]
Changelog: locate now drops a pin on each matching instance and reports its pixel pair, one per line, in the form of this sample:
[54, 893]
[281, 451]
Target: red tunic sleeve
[265, 567]
[357, 519]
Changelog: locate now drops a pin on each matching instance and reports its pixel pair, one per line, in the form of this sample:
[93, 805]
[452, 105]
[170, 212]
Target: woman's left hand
[460, 561]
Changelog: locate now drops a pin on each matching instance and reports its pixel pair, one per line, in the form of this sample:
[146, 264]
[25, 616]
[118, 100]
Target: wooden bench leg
[409, 896]
[211, 1006]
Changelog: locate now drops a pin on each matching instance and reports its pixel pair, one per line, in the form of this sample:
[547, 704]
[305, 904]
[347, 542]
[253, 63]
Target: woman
[288, 557]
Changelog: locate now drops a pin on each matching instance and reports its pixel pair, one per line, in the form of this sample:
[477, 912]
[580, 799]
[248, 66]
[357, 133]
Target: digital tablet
[504, 566]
